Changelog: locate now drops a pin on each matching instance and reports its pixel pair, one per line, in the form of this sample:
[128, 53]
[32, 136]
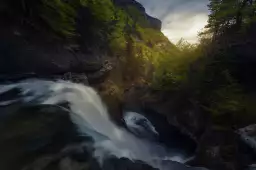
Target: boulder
[29, 132]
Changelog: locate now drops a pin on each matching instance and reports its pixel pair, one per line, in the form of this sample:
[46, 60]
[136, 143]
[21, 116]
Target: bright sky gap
[180, 18]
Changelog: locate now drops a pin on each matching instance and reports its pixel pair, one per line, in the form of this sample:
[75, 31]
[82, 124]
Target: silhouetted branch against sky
[180, 18]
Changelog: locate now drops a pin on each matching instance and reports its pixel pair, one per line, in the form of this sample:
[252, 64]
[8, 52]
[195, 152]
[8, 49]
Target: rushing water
[90, 115]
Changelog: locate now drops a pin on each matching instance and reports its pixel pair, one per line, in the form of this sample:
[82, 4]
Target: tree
[230, 15]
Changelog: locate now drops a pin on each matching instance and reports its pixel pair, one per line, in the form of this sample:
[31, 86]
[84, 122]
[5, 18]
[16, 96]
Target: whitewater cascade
[90, 115]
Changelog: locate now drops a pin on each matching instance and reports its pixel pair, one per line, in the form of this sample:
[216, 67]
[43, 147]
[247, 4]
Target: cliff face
[27, 45]
[153, 22]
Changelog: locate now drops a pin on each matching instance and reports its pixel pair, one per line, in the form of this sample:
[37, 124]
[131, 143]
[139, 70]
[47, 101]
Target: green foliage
[137, 16]
[229, 14]
[117, 43]
[173, 66]
[58, 15]
[103, 11]
[101, 22]
[215, 73]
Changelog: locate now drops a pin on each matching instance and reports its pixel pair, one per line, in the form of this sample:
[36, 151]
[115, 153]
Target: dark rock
[25, 50]
[123, 163]
[247, 141]
[73, 77]
[140, 100]
[251, 167]
[221, 149]
[125, 3]
[99, 76]
[181, 114]
[28, 133]
[248, 136]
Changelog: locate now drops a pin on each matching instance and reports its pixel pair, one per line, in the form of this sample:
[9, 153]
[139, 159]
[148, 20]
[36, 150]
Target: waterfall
[90, 116]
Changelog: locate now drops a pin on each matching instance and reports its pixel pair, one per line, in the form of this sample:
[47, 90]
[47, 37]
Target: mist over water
[90, 115]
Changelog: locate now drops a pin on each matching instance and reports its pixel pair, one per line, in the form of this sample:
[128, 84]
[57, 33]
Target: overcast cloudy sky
[180, 18]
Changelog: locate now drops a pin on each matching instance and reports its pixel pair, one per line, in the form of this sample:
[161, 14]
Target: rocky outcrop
[179, 113]
[175, 135]
[153, 22]
[25, 51]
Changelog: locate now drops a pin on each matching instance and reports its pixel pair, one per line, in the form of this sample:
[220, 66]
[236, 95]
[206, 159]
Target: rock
[178, 110]
[99, 76]
[76, 78]
[247, 139]
[123, 163]
[248, 136]
[220, 149]
[73, 77]
[153, 22]
[69, 164]
[28, 133]
[31, 51]
[251, 167]
[143, 100]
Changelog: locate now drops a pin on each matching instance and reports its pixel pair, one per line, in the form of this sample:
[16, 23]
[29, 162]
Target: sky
[180, 18]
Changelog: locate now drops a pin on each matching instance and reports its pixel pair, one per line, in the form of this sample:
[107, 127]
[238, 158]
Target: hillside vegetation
[217, 73]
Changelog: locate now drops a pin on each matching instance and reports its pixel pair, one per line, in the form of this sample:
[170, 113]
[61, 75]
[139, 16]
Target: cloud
[180, 18]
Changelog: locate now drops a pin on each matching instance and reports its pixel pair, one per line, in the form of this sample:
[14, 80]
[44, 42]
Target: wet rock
[73, 77]
[27, 133]
[69, 164]
[123, 163]
[177, 109]
[76, 78]
[247, 141]
[145, 101]
[248, 136]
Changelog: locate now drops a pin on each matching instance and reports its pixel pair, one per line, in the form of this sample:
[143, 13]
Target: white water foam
[140, 125]
[90, 115]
